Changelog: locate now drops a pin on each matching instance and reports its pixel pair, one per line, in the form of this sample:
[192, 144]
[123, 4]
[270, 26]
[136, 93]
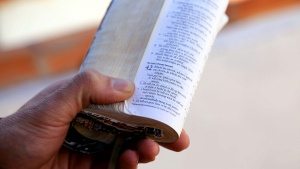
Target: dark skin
[32, 137]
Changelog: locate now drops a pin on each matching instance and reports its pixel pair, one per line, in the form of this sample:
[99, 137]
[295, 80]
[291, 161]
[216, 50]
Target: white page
[174, 60]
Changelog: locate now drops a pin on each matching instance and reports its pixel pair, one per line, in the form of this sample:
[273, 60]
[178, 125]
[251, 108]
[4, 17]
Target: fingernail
[123, 85]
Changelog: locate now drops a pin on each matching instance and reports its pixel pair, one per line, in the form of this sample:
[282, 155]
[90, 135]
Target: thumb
[61, 102]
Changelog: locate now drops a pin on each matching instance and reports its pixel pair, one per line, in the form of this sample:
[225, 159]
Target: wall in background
[48, 50]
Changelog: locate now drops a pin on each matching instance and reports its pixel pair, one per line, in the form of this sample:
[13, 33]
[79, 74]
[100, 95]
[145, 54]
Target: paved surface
[246, 111]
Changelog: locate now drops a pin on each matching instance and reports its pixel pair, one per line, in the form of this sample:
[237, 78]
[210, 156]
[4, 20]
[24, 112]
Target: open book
[162, 46]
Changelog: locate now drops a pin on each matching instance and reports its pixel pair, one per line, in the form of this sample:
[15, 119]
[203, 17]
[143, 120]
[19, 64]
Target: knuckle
[86, 78]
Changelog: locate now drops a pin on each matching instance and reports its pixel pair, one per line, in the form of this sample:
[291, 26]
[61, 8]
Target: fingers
[147, 150]
[182, 143]
[129, 159]
[144, 151]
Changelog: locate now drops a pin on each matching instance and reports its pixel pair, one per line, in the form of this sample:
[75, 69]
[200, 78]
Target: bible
[162, 46]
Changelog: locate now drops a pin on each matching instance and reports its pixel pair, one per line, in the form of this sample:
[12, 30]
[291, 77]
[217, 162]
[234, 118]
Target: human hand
[32, 137]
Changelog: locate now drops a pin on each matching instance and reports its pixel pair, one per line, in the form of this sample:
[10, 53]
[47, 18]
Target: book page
[174, 59]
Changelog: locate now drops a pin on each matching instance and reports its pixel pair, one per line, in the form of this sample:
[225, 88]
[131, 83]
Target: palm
[68, 159]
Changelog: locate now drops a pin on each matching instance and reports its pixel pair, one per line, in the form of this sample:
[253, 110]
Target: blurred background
[246, 111]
